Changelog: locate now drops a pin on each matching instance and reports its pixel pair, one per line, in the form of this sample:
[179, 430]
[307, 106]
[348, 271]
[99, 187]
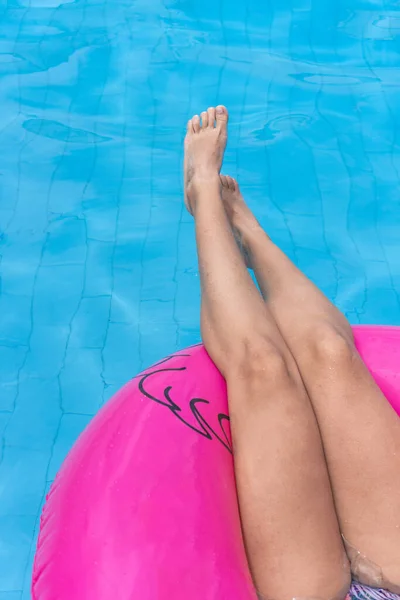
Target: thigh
[289, 522]
[361, 437]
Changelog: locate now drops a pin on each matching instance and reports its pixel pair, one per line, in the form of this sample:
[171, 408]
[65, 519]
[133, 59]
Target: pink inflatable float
[144, 507]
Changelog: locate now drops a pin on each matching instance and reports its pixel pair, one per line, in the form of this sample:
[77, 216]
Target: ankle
[204, 178]
[202, 189]
[250, 232]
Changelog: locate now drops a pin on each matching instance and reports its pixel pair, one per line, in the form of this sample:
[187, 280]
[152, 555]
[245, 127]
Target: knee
[261, 361]
[331, 347]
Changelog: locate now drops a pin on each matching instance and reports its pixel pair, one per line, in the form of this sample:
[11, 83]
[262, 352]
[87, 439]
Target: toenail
[220, 110]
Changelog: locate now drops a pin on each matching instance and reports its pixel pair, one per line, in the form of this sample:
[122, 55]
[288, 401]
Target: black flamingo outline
[204, 428]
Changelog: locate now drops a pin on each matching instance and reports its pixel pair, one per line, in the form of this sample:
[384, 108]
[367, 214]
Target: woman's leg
[359, 429]
[289, 523]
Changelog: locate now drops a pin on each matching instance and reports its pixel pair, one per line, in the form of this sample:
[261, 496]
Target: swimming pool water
[98, 263]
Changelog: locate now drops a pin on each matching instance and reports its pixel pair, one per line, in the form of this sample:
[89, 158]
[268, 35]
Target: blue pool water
[98, 262]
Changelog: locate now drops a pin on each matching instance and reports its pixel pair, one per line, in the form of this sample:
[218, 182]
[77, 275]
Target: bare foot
[204, 150]
[242, 220]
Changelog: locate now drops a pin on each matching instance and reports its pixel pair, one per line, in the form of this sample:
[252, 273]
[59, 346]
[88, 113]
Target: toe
[189, 127]
[211, 116]
[204, 119]
[224, 181]
[221, 116]
[196, 123]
